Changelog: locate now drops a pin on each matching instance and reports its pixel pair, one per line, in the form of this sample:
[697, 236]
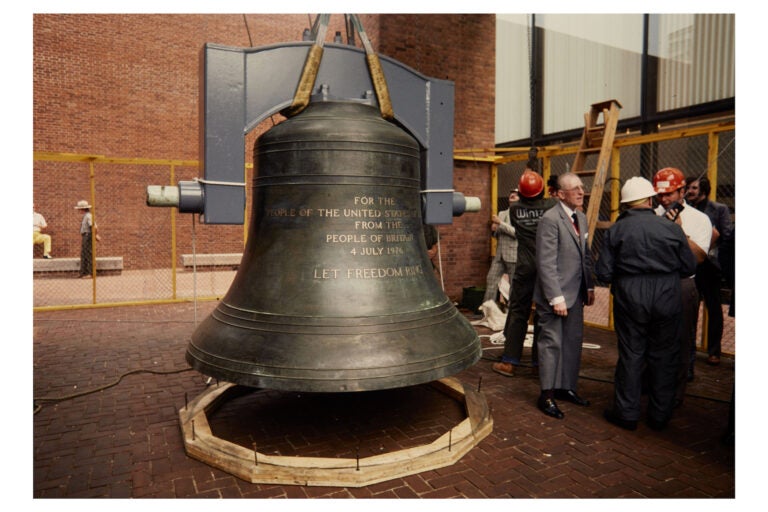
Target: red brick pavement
[124, 440]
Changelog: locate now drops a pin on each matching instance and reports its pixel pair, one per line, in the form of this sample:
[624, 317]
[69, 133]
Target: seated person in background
[38, 237]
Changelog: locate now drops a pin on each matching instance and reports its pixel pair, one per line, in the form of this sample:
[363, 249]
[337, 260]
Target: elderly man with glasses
[564, 285]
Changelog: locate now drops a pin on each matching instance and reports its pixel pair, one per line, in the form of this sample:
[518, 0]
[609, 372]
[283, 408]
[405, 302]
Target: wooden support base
[255, 467]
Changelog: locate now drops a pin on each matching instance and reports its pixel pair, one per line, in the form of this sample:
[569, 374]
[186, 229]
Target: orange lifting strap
[312, 64]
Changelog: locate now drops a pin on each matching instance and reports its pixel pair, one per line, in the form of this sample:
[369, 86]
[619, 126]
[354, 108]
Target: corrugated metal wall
[595, 57]
[696, 58]
[589, 58]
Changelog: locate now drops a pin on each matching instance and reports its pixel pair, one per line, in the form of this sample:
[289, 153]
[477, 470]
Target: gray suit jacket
[563, 259]
[506, 247]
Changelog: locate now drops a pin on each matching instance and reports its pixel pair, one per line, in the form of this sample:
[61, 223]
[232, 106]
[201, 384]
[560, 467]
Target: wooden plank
[257, 467]
[611, 117]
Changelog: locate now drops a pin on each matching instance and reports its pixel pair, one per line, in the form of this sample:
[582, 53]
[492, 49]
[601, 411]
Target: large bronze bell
[335, 291]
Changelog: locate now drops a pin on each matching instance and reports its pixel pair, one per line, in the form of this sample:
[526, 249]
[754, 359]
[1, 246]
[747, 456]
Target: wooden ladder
[597, 138]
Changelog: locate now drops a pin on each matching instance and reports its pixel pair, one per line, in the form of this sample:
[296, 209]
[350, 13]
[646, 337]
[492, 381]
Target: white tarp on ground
[494, 318]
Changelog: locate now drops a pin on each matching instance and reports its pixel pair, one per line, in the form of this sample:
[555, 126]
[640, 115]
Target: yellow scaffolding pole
[92, 179]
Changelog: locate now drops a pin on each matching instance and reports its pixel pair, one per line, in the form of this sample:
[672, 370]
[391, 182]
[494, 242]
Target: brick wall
[126, 85]
[460, 48]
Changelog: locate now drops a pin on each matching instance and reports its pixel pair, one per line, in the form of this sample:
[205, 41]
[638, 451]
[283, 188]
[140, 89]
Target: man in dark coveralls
[524, 216]
[644, 256]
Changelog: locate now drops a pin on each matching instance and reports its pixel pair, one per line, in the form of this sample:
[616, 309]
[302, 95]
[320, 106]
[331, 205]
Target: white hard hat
[636, 188]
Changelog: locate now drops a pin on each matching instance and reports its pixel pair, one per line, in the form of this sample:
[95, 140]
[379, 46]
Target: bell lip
[313, 381]
[326, 358]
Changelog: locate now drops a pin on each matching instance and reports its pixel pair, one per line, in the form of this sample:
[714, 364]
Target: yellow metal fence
[144, 254]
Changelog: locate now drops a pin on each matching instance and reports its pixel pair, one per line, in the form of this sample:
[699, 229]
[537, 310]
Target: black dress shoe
[657, 425]
[612, 417]
[550, 408]
[570, 395]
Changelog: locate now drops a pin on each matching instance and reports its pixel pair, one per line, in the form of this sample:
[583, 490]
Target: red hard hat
[667, 180]
[530, 184]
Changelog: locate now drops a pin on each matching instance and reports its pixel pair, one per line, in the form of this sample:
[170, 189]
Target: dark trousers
[727, 260]
[689, 323]
[708, 277]
[86, 255]
[518, 313]
[647, 323]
